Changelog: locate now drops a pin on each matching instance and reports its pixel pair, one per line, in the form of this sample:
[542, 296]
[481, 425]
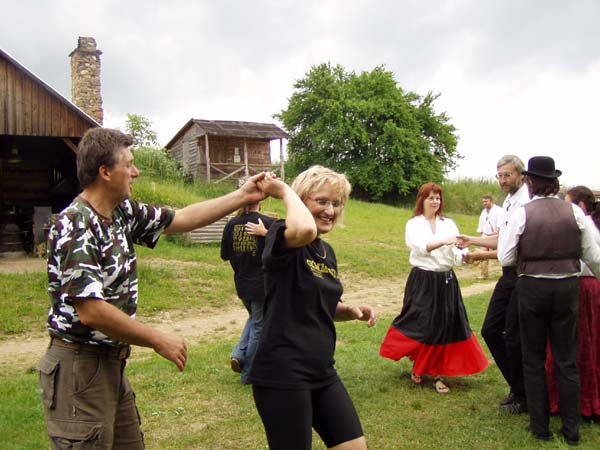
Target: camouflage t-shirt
[92, 257]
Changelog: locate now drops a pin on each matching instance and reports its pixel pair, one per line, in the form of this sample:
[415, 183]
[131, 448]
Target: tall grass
[464, 195]
[157, 163]
[163, 182]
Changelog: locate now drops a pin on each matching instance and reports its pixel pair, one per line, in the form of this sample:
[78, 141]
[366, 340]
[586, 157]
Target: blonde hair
[315, 177]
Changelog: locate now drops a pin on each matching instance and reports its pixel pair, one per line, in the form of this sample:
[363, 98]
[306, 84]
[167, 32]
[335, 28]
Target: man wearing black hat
[546, 238]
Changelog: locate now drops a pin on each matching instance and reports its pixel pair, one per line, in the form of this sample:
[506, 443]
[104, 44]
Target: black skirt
[433, 329]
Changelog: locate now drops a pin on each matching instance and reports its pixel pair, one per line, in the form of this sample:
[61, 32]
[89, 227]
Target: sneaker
[235, 365]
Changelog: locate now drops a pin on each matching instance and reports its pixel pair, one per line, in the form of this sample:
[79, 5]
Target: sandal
[417, 379]
[439, 386]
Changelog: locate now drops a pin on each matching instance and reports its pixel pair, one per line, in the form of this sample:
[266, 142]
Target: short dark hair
[488, 197]
[543, 187]
[99, 147]
[584, 194]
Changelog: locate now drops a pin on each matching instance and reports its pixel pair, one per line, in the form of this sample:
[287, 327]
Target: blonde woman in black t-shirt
[295, 386]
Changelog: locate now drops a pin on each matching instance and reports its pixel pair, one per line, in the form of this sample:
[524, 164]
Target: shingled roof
[233, 129]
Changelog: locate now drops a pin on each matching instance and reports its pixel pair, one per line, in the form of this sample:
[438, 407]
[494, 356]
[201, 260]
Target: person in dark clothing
[548, 292]
[588, 352]
[294, 382]
[500, 328]
[242, 245]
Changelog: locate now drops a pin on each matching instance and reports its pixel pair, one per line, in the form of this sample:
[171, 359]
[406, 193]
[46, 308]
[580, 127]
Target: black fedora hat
[542, 166]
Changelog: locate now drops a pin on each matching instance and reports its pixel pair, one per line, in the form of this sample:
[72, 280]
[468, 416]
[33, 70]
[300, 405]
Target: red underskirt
[588, 353]
[452, 359]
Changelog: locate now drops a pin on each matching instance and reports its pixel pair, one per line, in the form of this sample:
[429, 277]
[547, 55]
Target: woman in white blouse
[588, 350]
[433, 329]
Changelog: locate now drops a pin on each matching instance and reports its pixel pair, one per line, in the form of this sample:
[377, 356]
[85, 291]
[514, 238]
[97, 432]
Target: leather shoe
[235, 365]
[507, 400]
[573, 441]
[516, 407]
[540, 436]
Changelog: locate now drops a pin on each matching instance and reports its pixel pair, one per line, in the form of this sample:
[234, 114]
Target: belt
[120, 352]
[509, 270]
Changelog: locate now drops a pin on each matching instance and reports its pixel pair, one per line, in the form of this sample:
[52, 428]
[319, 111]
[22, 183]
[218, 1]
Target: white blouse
[419, 234]
[585, 270]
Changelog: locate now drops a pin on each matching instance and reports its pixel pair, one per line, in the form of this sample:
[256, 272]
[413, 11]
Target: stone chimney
[85, 78]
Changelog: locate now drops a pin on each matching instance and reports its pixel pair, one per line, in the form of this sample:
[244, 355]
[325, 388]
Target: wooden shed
[39, 133]
[216, 150]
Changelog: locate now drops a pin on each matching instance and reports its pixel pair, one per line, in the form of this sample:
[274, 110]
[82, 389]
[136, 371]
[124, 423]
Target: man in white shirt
[500, 328]
[489, 223]
[546, 239]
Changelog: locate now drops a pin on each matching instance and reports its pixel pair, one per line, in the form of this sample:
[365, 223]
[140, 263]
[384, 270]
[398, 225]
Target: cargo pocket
[76, 435]
[48, 370]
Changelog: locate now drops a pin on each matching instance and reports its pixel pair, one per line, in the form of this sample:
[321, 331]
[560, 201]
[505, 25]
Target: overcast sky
[515, 76]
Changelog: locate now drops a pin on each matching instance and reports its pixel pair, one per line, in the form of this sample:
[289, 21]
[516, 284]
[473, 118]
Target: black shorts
[290, 415]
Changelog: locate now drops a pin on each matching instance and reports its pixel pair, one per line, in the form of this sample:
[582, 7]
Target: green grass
[193, 276]
[23, 301]
[205, 407]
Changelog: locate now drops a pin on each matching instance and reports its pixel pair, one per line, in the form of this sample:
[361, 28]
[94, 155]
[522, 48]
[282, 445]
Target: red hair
[424, 192]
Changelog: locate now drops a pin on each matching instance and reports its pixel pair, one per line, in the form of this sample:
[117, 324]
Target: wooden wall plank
[3, 99]
[27, 107]
[55, 118]
[35, 110]
[10, 100]
[19, 105]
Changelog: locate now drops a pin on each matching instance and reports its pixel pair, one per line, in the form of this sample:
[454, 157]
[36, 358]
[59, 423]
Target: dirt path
[23, 351]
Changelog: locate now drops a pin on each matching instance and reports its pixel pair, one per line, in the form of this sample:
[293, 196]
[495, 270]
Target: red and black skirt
[433, 329]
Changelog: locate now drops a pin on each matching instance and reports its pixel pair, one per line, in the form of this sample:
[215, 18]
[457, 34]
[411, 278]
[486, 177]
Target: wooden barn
[39, 133]
[217, 150]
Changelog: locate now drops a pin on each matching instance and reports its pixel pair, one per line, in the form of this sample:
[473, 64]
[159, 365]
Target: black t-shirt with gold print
[297, 342]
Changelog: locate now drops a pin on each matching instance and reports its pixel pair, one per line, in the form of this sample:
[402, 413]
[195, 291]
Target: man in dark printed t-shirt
[93, 287]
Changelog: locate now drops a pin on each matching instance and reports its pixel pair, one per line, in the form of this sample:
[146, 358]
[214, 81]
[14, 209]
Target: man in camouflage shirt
[93, 285]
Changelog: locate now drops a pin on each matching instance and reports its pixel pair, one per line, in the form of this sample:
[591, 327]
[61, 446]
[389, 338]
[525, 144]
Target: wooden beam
[207, 156]
[246, 171]
[70, 144]
[281, 162]
[230, 175]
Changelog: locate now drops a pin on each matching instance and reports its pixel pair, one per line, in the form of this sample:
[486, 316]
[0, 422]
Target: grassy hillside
[205, 407]
[370, 244]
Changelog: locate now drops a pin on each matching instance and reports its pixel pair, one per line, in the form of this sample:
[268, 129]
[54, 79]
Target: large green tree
[387, 141]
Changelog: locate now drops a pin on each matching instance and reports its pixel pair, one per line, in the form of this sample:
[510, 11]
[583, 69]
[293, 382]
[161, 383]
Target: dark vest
[551, 240]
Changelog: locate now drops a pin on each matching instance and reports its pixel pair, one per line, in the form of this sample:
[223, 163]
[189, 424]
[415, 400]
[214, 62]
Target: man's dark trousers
[501, 333]
[549, 310]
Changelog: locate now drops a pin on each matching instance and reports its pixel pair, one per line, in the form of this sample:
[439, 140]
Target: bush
[464, 195]
[156, 163]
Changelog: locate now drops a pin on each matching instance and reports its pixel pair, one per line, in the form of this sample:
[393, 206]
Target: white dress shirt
[509, 240]
[585, 270]
[419, 234]
[489, 220]
[512, 202]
